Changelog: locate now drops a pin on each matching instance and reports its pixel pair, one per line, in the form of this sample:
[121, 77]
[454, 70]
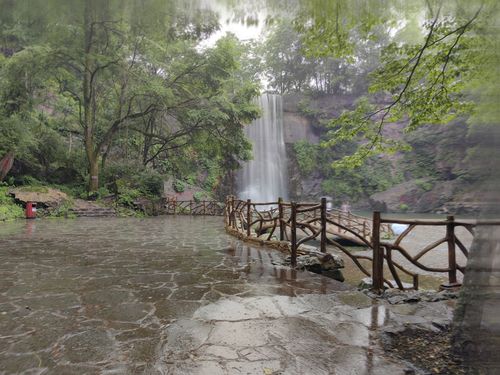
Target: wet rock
[355, 299]
[257, 367]
[335, 274]
[396, 296]
[365, 283]
[221, 352]
[318, 261]
[228, 310]
[94, 345]
[353, 334]
[125, 312]
[403, 299]
[325, 264]
[184, 335]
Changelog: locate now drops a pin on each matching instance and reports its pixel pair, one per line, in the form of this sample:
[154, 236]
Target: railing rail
[291, 224]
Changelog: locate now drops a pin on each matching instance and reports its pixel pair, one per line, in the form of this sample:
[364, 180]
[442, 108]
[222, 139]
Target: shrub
[424, 185]
[150, 183]
[27, 181]
[9, 210]
[179, 186]
[199, 196]
[133, 175]
[63, 210]
[128, 196]
[306, 155]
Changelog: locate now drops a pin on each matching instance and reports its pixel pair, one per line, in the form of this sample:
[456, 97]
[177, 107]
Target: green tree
[424, 80]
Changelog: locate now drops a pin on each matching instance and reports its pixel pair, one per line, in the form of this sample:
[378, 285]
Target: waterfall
[265, 177]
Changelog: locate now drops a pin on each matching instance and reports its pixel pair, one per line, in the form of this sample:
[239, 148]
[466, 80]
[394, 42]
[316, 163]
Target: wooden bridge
[288, 225]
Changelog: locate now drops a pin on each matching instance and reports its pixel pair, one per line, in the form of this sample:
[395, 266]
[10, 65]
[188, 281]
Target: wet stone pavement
[176, 295]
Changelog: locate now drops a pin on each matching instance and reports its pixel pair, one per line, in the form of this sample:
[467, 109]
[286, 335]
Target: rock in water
[325, 264]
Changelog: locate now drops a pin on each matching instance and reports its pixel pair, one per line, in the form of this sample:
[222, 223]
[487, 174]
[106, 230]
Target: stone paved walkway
[176, 295]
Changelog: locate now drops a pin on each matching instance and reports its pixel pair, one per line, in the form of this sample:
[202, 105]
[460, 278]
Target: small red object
[30, 210]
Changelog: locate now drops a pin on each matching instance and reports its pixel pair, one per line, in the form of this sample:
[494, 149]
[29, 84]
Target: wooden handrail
[314, 222]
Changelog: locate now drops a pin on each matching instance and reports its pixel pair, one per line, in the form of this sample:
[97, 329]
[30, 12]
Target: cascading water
[265, 178]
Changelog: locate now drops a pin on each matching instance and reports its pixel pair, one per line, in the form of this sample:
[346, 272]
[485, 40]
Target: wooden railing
[385, 250]
[287, 225]
[192, 207]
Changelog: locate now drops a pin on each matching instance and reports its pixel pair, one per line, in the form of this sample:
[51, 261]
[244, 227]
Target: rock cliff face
[435, 176]
[298, 128]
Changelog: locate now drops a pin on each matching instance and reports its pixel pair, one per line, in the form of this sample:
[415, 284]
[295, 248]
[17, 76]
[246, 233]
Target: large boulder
[44, 196]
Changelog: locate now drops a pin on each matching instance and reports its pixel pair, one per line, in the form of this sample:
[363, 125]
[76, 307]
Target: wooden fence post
[249, 216]
[175, 206]
[280, 218]
[204, 208]
[227, 220]
[452, 261]
[233, 214]
[323, 226]
[191, 207]
[378, 255]
[294, 235]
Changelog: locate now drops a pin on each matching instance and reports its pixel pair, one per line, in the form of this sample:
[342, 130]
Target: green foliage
[79, 94]
[30, 181]
[424, 185]
[129, 181]
[128, 211]
[63, 210]
[214, 173]
[179, 186]
[403, 207]
[304, 107]
[103, 192]
[290, 67]
[9, 210]
[199, 196]
[357, 183]
[126, 194]
[151, 183]
[305, 154]
[425, 79]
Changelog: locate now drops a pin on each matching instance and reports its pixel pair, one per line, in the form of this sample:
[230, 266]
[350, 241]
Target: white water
[265, 178]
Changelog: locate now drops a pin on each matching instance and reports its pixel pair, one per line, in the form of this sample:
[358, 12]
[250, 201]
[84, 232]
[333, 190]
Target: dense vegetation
[117, 96]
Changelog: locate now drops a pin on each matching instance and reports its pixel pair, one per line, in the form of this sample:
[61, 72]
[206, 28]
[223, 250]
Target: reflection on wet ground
[174, 295]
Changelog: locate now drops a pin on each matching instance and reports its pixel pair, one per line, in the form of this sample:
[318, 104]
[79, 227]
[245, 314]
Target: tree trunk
[6, 164]
[88, 96]
[94, 174]
[476, 329]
